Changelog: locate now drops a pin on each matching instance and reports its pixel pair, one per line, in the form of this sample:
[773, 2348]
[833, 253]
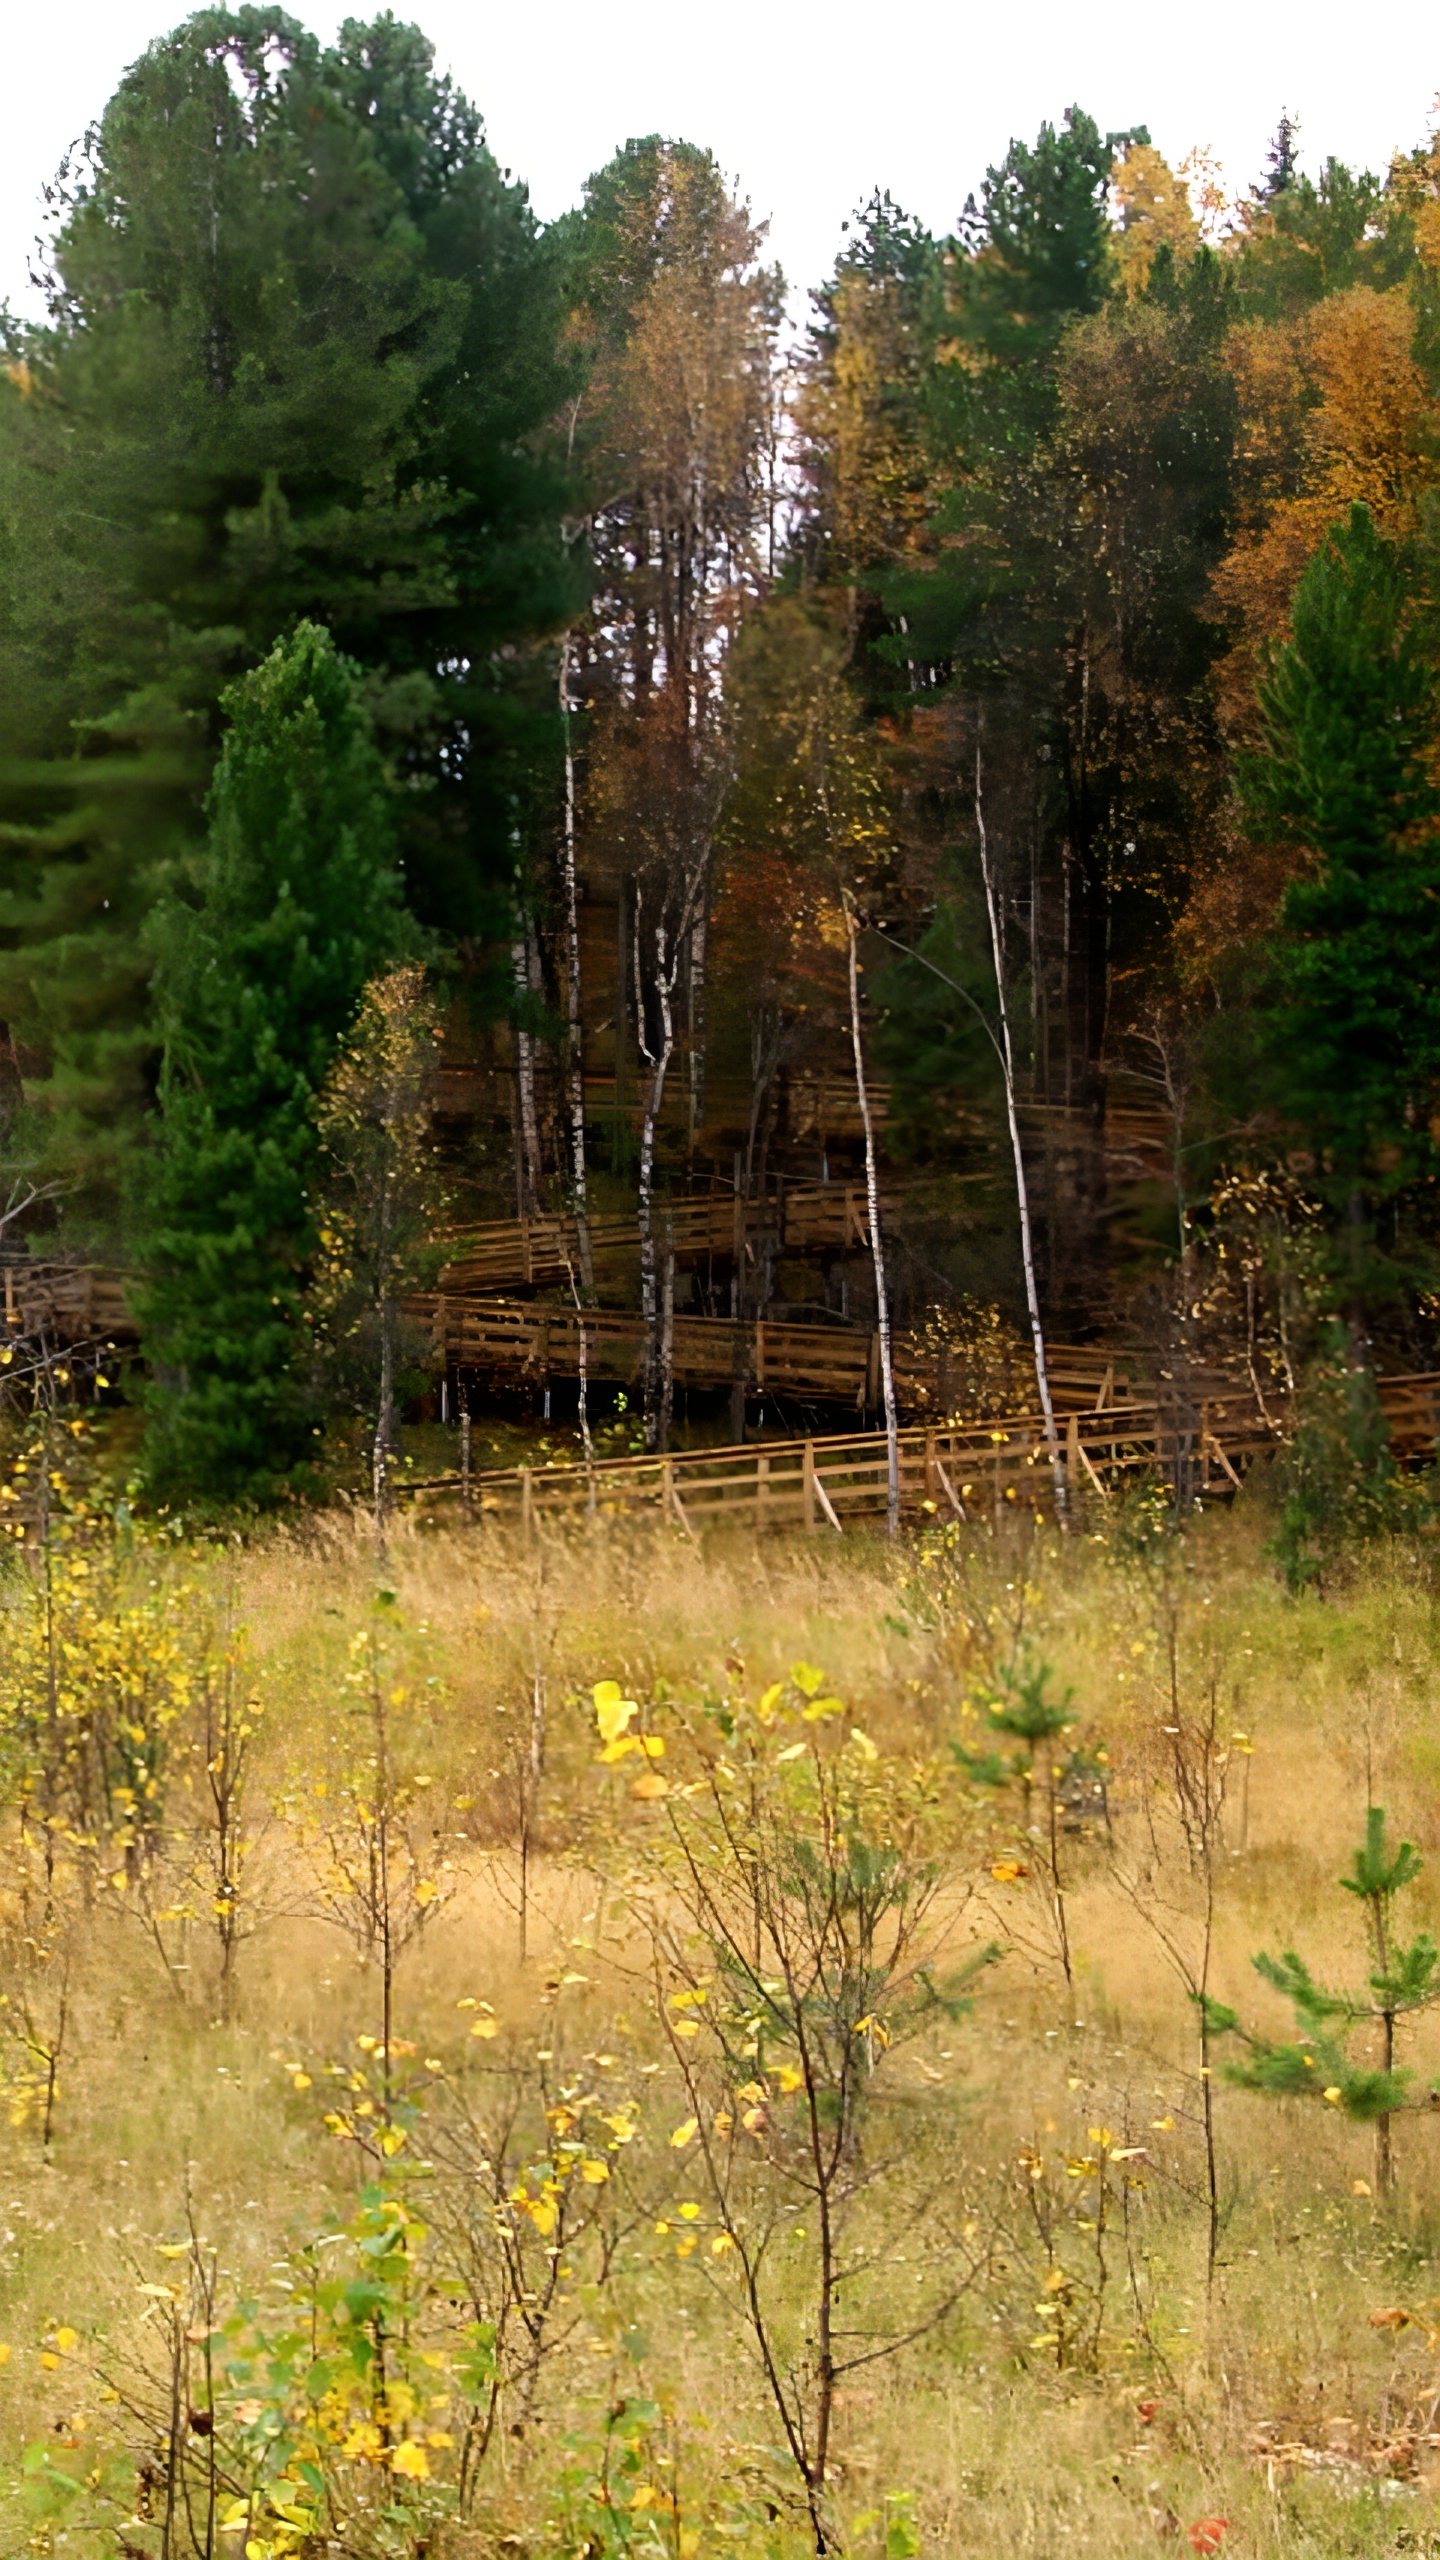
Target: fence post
[464, 1452]
[762, 1487]
[929, 1466]
[807, 1482]
[1072, 1456]
[527, 1505]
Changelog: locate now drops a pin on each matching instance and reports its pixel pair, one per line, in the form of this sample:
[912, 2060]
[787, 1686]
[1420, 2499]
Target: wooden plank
[725, 1483]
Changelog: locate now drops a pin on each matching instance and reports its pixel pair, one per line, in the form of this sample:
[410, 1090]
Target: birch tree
[383, 1196]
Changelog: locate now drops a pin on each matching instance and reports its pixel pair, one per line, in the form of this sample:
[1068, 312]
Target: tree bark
[699, 947]
[1022, 1188]
[384, 1425]
[574, 991]
[527, 1127]
[659, 1064]
[877, 1248]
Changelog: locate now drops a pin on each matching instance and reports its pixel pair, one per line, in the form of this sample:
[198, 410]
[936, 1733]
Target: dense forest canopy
[1041, 645]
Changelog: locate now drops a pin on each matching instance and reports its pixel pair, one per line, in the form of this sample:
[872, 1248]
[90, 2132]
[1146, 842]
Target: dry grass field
[786, 2132]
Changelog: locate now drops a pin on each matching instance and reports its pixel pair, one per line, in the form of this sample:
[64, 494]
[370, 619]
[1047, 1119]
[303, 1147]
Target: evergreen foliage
[301, 336]
[1349, 719]
[1403, 1979]
[298, 905]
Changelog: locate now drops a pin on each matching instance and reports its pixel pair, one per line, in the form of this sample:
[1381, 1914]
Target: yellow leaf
[769, 1700]
[411, 2462]
[684, 2133]
[612, 1712]
[650, 1787]
[806, 1677]
[689, 2212]
[425, 1893]
[721, 2242]
[789, 2078]
[621, 1748]
[594, 2172]
[4, 2353]
[485, 2027]
[863, 1744]
[794, 1752]
[393, 2140]
[65, 2339]
[821, 1708]
[50, 2363]
[685, 2027]
[300, 2080]
[1333, 2097]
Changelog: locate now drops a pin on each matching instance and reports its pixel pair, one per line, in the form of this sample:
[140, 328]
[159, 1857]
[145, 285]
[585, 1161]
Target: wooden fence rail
[829, 1364]
[520, 1252]
[966, 1474]
[66, 1300]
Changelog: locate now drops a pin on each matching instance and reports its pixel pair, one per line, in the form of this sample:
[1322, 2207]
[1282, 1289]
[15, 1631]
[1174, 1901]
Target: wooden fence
[493, 1338]
[958, 1474]
[521, 1252]
[66, 1301]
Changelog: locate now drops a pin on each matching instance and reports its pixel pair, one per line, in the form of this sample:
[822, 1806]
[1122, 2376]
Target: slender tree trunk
[527, 1148]
[699, 948]
[1022, 1188]
[384, 1426]
[583, 1364]
[574, 991]
[877, 1248]
[645, 1201]
[1384, 2157]
[667, 1336]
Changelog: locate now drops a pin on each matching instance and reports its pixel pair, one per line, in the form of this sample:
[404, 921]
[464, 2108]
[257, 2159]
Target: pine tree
[302, 337]
[298, 904]
[1282, 160]
[1354, 1015]
[1403, 1980]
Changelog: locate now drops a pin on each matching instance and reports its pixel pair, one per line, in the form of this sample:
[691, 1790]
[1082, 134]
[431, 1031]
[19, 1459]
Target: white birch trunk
[527, 1150]
[877, 1248]
[1022, 1187]
[659, 1065]
[574, 992]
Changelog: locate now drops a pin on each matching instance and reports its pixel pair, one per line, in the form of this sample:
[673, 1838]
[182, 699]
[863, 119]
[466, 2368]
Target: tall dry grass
[1266, 2397]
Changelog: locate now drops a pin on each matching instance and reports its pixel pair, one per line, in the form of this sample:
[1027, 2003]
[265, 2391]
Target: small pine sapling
[1403, 1980]
[1019, 1710]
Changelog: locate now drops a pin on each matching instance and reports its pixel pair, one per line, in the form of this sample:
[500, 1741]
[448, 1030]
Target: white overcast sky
[809, 108]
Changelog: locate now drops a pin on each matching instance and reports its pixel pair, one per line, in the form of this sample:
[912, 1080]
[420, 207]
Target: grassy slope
[996, 2446]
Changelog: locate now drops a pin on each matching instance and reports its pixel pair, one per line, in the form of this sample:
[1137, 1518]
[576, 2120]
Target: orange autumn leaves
[1333, 410]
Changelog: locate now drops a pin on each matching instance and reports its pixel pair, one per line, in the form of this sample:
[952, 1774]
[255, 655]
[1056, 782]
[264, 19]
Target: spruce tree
[301, 342]
[298, 905]
[1353, 1018]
